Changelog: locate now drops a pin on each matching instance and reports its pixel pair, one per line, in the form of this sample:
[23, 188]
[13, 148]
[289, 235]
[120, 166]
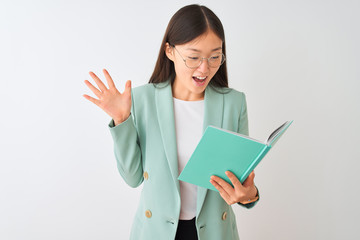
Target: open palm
[117, 105]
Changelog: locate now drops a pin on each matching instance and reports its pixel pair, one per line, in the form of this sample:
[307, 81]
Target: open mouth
[200, 79]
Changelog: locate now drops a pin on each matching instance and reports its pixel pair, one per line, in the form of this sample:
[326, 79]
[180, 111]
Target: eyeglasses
[214, 61]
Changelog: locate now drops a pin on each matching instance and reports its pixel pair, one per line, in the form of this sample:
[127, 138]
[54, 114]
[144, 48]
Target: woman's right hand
[117, 105]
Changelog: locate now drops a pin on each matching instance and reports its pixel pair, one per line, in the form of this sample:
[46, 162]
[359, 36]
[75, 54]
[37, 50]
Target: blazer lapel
[166, 118]
[213, 115]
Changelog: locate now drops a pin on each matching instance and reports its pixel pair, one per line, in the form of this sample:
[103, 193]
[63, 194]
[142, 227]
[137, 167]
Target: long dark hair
[187, 24]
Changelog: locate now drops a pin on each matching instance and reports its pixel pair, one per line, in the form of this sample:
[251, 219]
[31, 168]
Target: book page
[277, 133]
[239, 134]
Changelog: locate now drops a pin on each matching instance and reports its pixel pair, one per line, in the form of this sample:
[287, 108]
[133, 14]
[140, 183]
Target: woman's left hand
[240, 192]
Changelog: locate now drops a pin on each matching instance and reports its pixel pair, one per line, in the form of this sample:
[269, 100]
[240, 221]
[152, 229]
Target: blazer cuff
[121, 129]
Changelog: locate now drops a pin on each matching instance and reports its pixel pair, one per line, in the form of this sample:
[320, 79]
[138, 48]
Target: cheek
[183, 71]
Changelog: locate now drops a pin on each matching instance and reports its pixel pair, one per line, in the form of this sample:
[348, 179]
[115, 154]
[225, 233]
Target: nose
[204, 66]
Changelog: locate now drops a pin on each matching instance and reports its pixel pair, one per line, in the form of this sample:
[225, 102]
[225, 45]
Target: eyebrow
[196, 50]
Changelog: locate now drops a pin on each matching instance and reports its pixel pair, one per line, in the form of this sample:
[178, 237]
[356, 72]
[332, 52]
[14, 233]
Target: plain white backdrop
[294, 60]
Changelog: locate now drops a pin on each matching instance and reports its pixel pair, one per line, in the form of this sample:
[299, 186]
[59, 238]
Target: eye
[215, 57]
[193, 58]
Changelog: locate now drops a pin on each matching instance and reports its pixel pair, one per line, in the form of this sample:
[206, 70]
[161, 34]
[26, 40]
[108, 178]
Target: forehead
[207, 42]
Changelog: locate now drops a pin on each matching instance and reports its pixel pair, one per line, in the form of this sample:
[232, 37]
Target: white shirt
[189, 117]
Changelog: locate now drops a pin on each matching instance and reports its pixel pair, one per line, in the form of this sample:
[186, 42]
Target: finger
[98, 82]
[226, 186]
[93, 89]
[128, 87]
[222, 192]
[109, 80]
[234, 180]
[249, 180]
[91, 99]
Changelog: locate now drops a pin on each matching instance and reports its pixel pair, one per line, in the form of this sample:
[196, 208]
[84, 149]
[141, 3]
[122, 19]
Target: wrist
[254, 192]
[254, 196]
[118, 121]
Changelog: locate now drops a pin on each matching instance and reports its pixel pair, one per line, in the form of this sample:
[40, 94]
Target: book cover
[220, 150]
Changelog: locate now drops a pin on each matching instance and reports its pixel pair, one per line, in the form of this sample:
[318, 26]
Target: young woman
[155, 128]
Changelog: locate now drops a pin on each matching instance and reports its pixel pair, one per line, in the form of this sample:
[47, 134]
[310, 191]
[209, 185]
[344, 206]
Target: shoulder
[230, 94]
[143, 89]
[236, 94]
[143, 93]
[150, 88]
[234, 101]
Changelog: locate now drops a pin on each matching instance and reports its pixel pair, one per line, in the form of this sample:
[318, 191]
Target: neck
[182, 93]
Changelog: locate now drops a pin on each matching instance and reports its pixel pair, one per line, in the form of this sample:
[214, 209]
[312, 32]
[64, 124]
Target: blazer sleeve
[127, 149]
[243, 128]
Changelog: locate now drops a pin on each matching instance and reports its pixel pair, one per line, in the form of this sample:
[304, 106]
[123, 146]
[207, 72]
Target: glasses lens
[193, 62]
[216, 60]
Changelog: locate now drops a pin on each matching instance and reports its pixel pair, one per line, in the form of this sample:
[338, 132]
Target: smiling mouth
[199, 80]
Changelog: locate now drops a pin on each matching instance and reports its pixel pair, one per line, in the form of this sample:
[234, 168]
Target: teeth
[201, 78]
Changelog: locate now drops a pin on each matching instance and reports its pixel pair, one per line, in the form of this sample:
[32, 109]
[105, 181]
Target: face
[190, 84]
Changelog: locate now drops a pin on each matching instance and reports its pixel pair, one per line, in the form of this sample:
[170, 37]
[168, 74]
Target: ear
[169, 51]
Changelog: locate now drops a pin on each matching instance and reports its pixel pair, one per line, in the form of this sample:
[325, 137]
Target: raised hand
[117, 105]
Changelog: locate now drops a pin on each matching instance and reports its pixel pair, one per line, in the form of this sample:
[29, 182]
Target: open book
[221, 150]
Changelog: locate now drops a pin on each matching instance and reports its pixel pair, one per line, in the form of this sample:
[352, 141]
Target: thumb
[250, 179]
[128, 87]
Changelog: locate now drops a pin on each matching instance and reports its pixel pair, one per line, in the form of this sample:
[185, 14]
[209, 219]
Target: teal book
[220, 150]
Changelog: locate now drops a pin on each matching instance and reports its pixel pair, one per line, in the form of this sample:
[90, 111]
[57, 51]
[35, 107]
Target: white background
[295, 60]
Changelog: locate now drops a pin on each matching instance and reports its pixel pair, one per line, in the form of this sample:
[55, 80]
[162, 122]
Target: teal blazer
[146, 152]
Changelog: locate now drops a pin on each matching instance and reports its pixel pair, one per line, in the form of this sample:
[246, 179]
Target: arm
[120, 107]
[127, 149]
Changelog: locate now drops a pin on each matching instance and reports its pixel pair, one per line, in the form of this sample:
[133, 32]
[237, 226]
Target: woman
[155, 128]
